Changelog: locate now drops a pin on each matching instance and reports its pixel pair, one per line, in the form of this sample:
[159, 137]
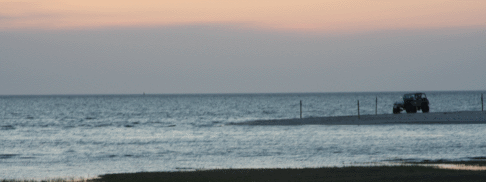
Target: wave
[8, 156]
[7, 127]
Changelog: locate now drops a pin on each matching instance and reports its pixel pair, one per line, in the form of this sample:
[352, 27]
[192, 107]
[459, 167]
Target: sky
[224, 46]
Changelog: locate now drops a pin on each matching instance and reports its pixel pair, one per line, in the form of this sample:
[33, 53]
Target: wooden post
[358, 109]
[300, 109]
[482, 103]
[376, 106]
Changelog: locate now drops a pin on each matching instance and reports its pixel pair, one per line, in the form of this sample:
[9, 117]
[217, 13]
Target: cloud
[331, 16]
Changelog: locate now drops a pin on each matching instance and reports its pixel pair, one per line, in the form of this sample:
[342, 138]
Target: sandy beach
[462, 117]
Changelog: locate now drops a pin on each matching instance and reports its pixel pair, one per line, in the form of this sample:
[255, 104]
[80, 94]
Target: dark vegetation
[377, 173]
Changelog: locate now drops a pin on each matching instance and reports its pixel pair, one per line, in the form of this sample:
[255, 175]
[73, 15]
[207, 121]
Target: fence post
[358, 109]
[376, 106]
[482, 103]
[300, 109]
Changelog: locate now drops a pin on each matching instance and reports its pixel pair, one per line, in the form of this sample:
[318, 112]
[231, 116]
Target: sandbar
[460, 117]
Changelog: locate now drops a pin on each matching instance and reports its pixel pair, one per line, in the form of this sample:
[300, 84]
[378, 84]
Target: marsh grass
[424, 171]
[372, 173]
[49, 180]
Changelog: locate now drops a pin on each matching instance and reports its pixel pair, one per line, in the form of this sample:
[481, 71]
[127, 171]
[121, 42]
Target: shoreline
[458, 117]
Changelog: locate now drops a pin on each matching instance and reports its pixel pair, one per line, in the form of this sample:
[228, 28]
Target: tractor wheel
[425, 108]
[396, 110]
[409, 108]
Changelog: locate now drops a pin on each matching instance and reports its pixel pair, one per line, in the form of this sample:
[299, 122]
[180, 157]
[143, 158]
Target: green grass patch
[47, 180]
[376, 173]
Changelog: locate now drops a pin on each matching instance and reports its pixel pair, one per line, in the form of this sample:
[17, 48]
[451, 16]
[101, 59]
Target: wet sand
[462, 117]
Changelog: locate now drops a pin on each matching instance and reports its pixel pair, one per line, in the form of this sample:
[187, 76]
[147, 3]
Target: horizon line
[236, 93]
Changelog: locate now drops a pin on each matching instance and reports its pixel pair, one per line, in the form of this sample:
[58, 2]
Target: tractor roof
[414, 93]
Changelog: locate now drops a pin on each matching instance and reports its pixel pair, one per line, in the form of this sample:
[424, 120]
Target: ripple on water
[8, 156]
[127, 133]
[7, 127]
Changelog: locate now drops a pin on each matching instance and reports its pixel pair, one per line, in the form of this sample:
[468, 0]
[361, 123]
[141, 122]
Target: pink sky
[282, 15]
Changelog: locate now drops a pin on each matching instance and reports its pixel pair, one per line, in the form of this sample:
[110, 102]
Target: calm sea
[85, 136]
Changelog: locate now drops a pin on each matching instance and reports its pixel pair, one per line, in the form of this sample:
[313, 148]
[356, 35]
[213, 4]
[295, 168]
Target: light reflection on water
[82, 151]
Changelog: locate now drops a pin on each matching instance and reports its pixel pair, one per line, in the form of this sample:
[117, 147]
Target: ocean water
[85, 136]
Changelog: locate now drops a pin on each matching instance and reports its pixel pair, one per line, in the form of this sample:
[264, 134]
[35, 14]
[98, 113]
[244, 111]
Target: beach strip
[461, 117]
